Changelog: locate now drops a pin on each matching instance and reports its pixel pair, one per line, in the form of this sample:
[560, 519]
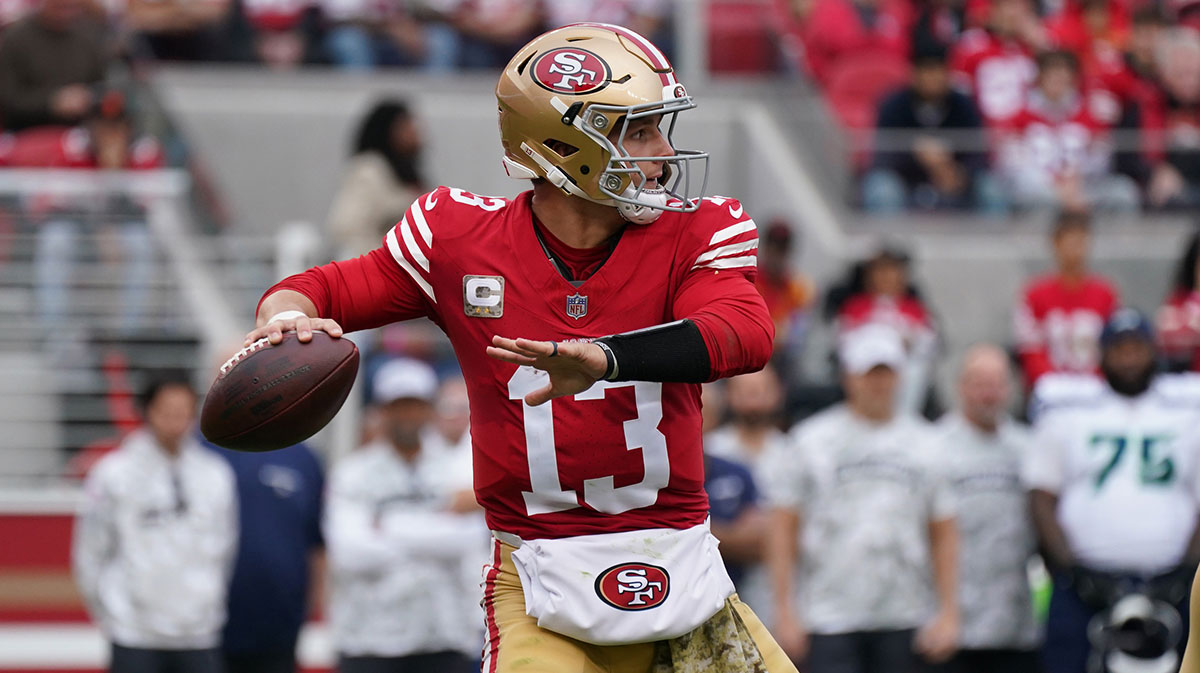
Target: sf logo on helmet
[633, 586]
[571, 71]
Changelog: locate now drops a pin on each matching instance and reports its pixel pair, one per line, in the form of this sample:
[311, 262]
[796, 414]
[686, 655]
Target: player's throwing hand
[303, 325]
[573, 366]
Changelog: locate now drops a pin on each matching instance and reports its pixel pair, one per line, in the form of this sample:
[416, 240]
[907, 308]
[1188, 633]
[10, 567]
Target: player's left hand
[573, 366]
[938, 639]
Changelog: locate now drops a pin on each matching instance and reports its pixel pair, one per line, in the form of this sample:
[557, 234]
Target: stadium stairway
[69, 388]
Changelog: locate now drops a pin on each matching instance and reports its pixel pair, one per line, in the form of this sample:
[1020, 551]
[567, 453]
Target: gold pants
[516, 644]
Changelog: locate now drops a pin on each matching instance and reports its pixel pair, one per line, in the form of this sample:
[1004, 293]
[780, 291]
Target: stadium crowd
[907, 541]
[1012, 104]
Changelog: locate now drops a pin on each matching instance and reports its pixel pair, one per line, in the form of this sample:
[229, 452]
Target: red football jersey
[996, 71]
[1038, 145]
[1058, 325]
[618, 457]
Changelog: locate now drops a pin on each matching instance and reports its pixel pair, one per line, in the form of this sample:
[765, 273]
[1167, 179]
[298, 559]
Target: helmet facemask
[636, 201]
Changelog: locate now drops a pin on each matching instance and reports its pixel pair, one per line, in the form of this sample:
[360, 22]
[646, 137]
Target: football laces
[243, 354]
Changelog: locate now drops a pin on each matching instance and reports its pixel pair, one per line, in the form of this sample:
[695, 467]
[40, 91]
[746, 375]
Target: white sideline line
[59, 646]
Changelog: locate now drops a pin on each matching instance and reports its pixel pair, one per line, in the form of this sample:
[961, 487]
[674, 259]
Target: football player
[592, 307]
[1114, 476]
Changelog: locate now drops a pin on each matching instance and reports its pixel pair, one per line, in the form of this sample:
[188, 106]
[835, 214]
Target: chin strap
[637, 213]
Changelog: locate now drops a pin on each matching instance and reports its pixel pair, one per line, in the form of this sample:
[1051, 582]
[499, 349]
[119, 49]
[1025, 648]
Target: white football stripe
[411, 244]
[729, 262]
[727, 250]
[394, 247]
[732, 230]
[422, 225]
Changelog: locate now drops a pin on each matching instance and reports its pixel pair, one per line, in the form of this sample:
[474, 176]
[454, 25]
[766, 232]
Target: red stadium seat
[856, 85]
[739, 38]
[858, 82]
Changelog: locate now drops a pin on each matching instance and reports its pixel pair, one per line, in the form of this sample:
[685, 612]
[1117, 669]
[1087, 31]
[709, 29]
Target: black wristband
[670, 353]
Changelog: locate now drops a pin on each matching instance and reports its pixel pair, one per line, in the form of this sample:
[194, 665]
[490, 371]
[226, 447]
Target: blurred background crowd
[957, 171]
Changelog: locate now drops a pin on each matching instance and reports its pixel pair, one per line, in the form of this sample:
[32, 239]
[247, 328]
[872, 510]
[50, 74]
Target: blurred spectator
[1174, 121]
[155, 541]
[380, 181]
[353, 29]
[449, 437]
[178, 30]
[930, 150]
[451, 428]
[1179, 318]
[736, 520]
[400, 600]
[1112, 521]
[790, 19]
[939, 24]
[486, 33]
[858, 502]
[712, 407]
[886, 296]
[280, 560]
[1123, 89]
[645, 17]
[836, 29]
[995, 64]
[50, 64]
[755, 402]
[1094, 31]
[283, 33]
[980, 450]
[1060, 315]
[1056, 153]
[789, 297]
[117, 222]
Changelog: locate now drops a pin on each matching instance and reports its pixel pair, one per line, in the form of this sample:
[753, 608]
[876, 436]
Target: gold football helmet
[563, 95]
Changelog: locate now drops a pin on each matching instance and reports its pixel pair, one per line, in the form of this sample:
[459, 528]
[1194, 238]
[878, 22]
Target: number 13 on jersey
[601, 493]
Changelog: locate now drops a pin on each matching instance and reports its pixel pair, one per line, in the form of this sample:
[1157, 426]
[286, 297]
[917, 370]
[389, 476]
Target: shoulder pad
[726, 237]
[1056, 391]
[1178, 389]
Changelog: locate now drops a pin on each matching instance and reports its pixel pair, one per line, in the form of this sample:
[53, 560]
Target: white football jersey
[1126, 470]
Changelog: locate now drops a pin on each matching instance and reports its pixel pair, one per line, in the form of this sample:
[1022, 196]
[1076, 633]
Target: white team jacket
[399, 562]
[154, 544]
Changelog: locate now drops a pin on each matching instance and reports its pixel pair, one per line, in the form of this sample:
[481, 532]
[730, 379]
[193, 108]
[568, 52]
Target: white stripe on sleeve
[729, 262]
[411, 244]
[418, 217]
[727, 250]
[394, 247]
[731, 231]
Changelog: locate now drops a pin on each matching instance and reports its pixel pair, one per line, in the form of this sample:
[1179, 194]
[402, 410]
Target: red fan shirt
[996, 70]
[618, 457]
[1179, 328]
[1058, 325]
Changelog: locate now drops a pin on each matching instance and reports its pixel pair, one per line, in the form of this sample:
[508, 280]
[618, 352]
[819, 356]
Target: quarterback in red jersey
[624, 291]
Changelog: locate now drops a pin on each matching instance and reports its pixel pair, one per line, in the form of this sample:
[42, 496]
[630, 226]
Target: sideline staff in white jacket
[398, 537]
[155, 538]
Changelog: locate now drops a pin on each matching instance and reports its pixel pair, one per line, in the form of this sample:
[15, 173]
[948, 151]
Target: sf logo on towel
[633, 586]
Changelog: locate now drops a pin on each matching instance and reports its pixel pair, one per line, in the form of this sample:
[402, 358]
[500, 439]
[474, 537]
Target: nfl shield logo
[576, 306]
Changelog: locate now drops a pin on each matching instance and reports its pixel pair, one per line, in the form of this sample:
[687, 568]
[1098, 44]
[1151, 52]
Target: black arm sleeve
[669, 353]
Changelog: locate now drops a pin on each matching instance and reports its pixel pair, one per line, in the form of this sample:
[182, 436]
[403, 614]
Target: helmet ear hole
[560, 148]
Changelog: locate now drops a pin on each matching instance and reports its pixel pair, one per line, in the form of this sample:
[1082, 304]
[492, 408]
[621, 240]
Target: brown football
[270, 397]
